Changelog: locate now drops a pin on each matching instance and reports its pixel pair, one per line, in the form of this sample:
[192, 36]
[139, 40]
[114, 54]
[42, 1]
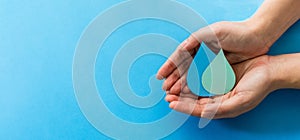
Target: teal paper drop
[219, 77]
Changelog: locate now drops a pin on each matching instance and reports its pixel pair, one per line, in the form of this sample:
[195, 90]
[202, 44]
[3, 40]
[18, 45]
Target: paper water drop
[219, 77]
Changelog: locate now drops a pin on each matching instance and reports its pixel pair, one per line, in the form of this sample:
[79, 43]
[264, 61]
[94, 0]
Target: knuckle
[176, 75]
[218, 28]
[170, 65]
[167, 83]
[186, 62]
[176, 88]
[218, 31]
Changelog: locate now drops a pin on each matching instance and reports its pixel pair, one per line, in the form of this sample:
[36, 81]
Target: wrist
[260, 30]
[276, 71]
[285, 71]
[273, 18]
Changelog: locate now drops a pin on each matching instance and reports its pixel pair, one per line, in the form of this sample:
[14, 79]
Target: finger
[187, 107]
[171, 80]
[188, 103]
[176, 74]
[175, 60]
[206, 35]
[189, 97]
[171, 98]
[193, 42]
[206, 100]
[186, 93]
[186, 90]
[186, 96]
[179, 85]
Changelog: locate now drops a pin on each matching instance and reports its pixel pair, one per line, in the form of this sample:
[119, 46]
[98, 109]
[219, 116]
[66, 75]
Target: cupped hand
[239, 40]
[254, 82]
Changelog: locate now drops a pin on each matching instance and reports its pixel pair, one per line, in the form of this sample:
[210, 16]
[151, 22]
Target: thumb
[206, 35]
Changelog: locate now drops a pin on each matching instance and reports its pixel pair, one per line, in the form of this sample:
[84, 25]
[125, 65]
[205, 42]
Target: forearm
[286, 70]
[273, 18]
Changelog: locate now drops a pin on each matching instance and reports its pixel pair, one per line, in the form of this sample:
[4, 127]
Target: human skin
[241, 41]
[257, 78]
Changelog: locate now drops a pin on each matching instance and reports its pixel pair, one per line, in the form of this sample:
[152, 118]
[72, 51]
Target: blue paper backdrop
[37, 101]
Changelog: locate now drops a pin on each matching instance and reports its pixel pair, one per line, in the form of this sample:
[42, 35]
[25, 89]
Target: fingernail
[159, 77]
[172, 105]
[184, 43]
[164, 88]
[166, 99]
[168, 92]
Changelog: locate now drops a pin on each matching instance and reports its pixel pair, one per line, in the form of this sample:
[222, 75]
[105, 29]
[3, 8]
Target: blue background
[37, 101]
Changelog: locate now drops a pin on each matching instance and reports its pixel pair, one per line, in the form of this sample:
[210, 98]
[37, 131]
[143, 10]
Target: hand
[239, 40]
[255, 81]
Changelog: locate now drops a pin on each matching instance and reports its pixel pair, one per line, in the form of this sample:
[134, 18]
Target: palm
[252, 87]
